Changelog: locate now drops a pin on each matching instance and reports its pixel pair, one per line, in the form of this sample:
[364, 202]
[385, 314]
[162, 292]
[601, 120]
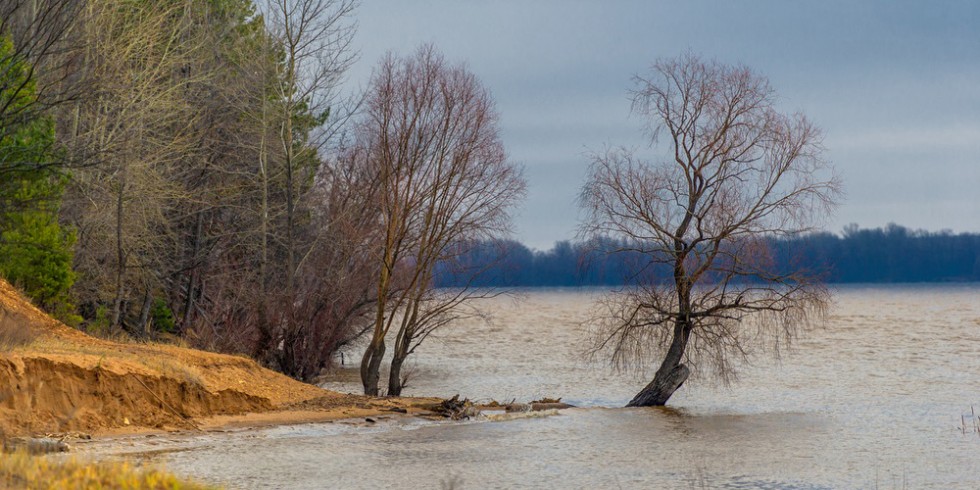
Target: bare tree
[444, 180]
[137, 124]
[36, 54]
[334, 291]
[40, 31]
[310, 40]
[733, 172]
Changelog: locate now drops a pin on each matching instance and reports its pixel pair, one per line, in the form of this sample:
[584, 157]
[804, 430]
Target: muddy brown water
[874, 400]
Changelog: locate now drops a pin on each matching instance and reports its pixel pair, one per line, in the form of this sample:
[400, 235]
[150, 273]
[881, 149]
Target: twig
[973, 419]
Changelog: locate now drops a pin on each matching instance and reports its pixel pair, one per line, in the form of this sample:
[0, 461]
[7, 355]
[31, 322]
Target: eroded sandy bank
[61, 380]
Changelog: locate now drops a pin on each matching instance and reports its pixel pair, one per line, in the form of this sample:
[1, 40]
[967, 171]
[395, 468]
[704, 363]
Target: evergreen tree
[35, 252]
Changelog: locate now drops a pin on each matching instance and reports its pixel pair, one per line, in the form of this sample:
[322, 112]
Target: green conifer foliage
[35, 251]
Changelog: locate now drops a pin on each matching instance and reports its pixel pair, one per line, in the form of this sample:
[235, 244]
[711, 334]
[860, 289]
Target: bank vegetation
[196, 171]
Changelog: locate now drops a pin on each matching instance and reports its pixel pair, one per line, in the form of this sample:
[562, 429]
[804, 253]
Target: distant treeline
[893, 254]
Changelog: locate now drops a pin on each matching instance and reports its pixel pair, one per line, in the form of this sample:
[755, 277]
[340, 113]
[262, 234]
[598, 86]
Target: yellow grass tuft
[22, 471]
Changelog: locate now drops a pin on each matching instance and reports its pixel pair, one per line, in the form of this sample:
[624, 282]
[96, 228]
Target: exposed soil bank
[63, 380]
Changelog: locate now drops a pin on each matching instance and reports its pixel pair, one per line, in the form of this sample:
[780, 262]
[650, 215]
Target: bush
[163, 317]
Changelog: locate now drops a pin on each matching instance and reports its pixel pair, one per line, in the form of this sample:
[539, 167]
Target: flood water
[873, 400]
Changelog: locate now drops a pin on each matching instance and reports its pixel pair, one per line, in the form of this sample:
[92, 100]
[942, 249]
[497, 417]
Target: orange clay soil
[66, 381]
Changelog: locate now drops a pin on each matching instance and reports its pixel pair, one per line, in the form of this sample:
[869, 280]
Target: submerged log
[536, 406]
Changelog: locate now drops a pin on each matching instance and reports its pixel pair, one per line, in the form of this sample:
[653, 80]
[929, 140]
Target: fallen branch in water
[454, 408]
[35, 445]
[536, 406]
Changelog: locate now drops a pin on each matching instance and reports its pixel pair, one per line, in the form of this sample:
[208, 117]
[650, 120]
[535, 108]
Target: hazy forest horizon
[889, 255]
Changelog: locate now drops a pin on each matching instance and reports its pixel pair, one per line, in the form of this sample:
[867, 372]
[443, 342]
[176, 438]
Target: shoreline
[59, 381]
[376, 407]
[64, 384]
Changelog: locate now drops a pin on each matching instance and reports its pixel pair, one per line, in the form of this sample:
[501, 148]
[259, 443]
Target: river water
[873, 400]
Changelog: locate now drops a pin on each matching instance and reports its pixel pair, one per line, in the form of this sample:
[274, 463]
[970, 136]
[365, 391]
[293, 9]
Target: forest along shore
[57, 380]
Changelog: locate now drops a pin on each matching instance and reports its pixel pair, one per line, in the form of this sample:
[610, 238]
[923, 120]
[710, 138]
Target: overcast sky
[895, 85]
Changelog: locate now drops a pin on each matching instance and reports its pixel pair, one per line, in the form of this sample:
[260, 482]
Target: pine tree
[35, 251]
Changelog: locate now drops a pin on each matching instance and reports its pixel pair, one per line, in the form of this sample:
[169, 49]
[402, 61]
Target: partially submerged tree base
[429, 136]
[661, 388]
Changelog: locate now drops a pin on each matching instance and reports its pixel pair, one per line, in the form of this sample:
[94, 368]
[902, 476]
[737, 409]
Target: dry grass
[22, 471]
[15, 331]
[176, 370]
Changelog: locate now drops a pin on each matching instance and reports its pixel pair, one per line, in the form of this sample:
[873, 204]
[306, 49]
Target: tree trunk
[117, 303]
[117, 308]
[192, 274]
[371, 367]
[395, 374]
[263, 344]
[371, 362]
[143, 328]
[405, 334]
[286, 357]
[394, 377]
[661, 388]
[671, 374]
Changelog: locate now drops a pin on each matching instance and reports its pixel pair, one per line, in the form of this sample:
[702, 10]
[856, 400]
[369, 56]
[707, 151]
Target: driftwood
[536, 406]
[39, 445]
[455, 409]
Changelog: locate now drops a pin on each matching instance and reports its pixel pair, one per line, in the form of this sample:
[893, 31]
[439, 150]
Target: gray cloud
[893, 84]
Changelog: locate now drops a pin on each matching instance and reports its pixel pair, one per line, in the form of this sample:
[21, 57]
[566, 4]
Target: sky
[895, 86]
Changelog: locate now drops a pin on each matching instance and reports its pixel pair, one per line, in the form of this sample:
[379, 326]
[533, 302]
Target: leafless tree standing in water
[444, 181]
[733, 173]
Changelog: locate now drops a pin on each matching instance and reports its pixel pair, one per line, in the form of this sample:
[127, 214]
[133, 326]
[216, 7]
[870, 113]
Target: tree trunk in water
[661, 388]
[671, 375]
[398, 357]
[371, 367]
[395, 376]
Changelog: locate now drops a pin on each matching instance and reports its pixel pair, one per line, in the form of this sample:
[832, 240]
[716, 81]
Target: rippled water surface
[874, 400]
